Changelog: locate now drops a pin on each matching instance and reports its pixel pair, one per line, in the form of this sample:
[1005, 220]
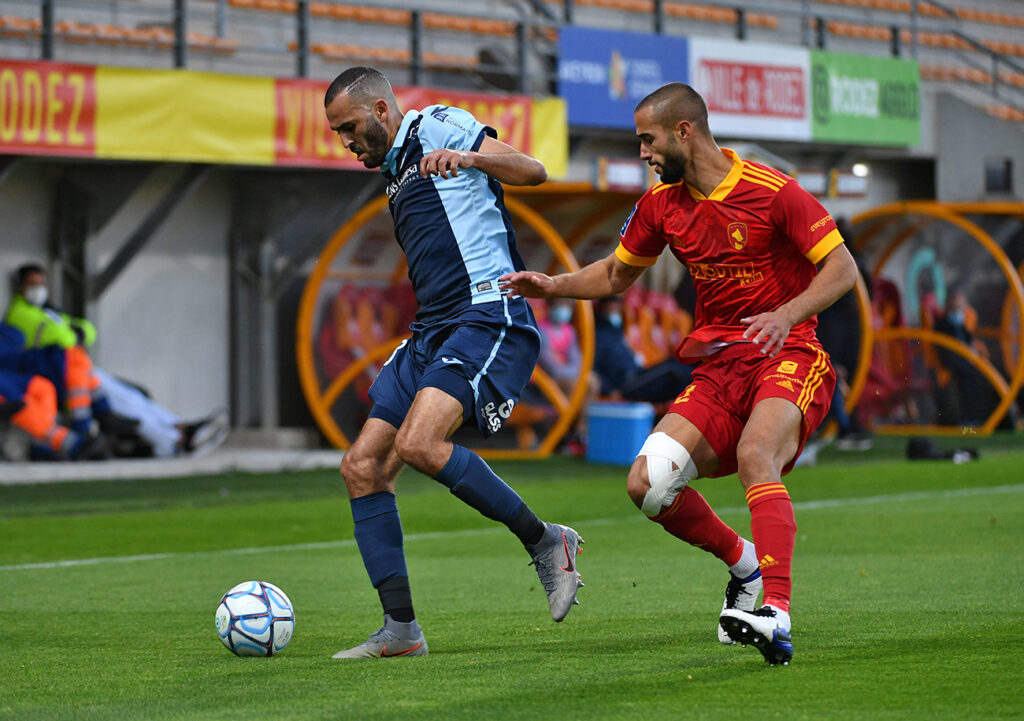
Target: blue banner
[603, 74]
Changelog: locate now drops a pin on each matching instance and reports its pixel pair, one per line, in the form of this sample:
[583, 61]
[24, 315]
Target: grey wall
[965, 137]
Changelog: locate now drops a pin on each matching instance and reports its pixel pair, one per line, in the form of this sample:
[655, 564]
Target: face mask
[956, 317]
[561, 314]
[36, 294]
[614, 320]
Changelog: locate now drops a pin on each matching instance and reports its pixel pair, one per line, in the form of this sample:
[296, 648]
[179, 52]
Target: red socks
[691, 519]
[773, 530]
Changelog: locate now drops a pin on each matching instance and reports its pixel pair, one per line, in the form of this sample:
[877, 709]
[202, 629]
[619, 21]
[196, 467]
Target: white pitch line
[800, 506]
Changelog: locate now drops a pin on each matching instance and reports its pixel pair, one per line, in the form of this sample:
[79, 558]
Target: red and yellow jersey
[750, 247]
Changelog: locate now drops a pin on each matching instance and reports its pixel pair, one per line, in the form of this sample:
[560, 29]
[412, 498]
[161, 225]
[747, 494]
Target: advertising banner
[183, 116]
[47, 108]
[180, 115]
[865, 99]
[303, 137]
[603, 74]
[753, 90]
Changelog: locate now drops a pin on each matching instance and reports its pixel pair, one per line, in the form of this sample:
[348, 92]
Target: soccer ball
[255, 618]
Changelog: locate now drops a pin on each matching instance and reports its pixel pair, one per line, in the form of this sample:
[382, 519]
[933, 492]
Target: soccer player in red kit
[765, 258]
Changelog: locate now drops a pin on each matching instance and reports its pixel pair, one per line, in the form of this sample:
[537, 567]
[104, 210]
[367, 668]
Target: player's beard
[672, 168]
[375, 144]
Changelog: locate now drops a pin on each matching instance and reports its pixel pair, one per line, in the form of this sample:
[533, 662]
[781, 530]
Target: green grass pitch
[908, 600]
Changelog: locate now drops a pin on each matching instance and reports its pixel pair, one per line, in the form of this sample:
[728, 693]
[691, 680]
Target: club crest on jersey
[737, 233]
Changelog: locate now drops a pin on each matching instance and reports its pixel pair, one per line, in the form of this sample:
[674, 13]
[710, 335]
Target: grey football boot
[554, 556]
[390, 640]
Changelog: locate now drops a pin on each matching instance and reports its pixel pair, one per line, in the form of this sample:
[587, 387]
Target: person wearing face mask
[125, 411]
[621, 374]
[968, 401]
[560, 358]
[42, 324]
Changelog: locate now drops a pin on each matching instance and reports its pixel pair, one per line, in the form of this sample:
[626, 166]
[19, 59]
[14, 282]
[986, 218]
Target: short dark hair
[26, 270]
[677, 101]
[361, 83]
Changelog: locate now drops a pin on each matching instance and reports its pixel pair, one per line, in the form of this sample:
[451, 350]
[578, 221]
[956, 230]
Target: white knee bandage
[669, 470]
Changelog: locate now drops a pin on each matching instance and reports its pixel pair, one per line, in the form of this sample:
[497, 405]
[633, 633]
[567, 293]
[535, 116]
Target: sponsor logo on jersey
[440, 114]
[397, 185]
[786, 383]
[821, 222]
[737, 233]
[497, 413]
[745, 273]
[451, 361]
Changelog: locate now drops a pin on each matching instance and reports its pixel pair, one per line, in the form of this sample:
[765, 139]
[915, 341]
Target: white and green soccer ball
[255, 618]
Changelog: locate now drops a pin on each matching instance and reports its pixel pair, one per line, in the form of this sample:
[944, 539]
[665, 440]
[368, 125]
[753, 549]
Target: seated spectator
[560, 358]
[29, 402]
[621, 374]
[968, 398]
[43, 326]
[70, 370]
[41, 323]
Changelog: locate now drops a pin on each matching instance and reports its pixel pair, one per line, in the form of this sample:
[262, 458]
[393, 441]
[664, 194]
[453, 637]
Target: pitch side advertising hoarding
[753, 90]
[603, 74]
[865, 99]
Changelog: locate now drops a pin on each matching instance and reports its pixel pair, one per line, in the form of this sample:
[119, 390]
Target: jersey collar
[726, 186]
[388, 166]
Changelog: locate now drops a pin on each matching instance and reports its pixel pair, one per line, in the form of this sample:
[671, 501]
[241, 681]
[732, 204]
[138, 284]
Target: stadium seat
[18, 27]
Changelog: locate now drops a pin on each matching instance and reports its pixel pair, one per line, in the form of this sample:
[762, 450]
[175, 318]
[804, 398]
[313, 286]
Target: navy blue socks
[473, 482]
[378, 531]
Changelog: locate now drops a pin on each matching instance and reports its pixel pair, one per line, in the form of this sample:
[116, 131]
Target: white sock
[748, 561]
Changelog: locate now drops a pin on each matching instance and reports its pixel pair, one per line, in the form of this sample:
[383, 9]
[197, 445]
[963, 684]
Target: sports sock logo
[768, 562]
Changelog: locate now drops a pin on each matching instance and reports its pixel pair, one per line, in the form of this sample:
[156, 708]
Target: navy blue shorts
[484, 357]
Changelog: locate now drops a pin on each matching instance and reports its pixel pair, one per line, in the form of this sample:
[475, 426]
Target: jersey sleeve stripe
[766, 173]
[764, 183]
[764, 177]
[638, 261]
[824, 246]
[662, 186]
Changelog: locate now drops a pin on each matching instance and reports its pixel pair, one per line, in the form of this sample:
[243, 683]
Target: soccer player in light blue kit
[472, 348]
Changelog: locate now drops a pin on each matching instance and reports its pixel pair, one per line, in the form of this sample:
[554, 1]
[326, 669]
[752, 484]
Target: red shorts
[728, 385]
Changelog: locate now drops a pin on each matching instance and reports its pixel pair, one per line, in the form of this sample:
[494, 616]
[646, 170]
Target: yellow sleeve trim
[824, 246]
[640, 261]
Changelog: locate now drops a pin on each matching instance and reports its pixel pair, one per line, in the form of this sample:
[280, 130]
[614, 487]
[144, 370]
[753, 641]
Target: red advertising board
[47, 108]
[302, 136]
[744, 88]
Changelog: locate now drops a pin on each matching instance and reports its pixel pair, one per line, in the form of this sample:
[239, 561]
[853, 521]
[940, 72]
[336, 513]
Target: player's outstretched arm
[499, 160]
[608, 276]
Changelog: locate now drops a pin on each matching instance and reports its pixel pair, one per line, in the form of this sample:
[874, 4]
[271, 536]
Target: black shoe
[113, 424]
[93, 448]
[202, 436]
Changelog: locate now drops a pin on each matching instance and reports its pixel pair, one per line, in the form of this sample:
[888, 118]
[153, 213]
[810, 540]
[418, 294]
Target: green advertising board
[865, 99]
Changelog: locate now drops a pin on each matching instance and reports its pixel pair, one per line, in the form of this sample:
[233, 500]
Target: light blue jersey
[456, 232]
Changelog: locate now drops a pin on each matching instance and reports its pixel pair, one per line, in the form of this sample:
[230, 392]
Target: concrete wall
[165, 322]
[965, 137]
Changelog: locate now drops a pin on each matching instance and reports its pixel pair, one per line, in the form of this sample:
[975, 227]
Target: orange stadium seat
[19, 27]
[692, 11]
